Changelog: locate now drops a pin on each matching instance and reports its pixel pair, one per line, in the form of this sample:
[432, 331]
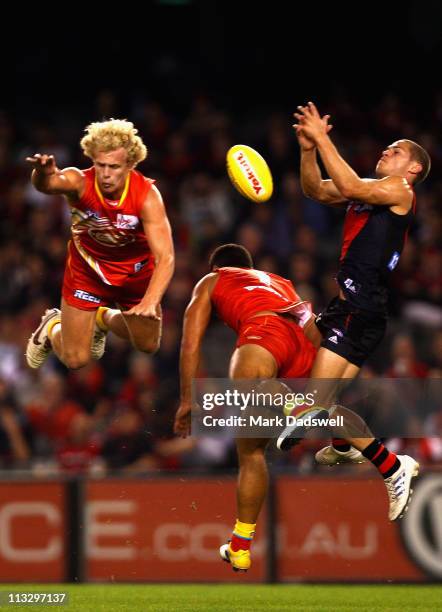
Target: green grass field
[244, 598]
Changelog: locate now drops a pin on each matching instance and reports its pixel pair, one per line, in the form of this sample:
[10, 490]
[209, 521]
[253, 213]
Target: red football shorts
[84, 289]
[284, 339]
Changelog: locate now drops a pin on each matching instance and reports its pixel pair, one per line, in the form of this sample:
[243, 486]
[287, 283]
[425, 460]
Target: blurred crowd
[117, 414]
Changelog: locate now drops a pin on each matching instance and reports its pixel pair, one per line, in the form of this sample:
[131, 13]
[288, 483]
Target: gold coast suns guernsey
[240, 293]
[108, 234]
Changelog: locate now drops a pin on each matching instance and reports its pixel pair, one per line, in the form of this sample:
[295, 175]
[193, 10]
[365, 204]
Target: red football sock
[341, 445]
[242, 536]
[385, 461]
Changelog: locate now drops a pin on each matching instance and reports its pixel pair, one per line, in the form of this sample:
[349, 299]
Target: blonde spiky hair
[111, 135]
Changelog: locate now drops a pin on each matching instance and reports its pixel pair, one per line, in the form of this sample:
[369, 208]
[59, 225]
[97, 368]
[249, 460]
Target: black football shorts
[350, 332]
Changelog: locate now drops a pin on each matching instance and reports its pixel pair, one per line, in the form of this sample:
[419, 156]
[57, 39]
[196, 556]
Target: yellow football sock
[99, 318]
[244, 530]
[51, 325]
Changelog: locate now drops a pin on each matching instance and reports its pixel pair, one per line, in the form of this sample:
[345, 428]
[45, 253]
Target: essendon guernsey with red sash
[374, 237]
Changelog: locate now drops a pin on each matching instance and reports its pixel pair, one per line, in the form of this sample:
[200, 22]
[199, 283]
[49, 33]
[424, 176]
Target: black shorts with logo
[350, 332]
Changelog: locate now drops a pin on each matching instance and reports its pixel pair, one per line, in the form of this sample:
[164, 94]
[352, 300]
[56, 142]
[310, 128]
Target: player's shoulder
[402, 183]
[206, 283]
[144, 187]
[209, 278]
[392, 180]
[140, 179]
[401, 192]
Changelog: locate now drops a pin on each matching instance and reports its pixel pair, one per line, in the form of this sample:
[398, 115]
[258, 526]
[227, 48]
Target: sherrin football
[249, 173]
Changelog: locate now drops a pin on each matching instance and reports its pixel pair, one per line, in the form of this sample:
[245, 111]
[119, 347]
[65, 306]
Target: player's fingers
[329, 127]
[35, 159]
[313, 109]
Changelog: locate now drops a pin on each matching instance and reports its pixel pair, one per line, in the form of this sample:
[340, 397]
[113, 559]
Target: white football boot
[329, 455]
[399, 486]
[39, 346]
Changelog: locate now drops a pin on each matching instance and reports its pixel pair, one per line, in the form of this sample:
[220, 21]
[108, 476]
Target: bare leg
[334, 369]
[71, 340]
[252, 478]
[330, 365]
[144, 333]
[251, 361]
[114, 321]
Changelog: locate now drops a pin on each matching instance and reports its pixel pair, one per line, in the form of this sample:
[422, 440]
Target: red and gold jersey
[108, 234]
[240, 293]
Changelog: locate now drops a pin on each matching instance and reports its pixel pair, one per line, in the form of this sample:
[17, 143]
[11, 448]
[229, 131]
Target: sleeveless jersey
[240, 293]
[110, 236]
[374, 237]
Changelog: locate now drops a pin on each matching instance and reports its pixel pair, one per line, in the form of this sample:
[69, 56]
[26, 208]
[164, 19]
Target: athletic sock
[385, 461]
[51, 326]
[99, 318]
[340, 445]
[242, 536]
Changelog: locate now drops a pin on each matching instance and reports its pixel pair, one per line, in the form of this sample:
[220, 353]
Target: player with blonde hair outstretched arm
[121, 251]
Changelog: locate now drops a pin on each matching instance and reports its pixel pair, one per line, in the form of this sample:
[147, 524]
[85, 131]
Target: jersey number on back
[266, 282]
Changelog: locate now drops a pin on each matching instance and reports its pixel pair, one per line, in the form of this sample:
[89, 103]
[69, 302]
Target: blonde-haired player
[121, 251]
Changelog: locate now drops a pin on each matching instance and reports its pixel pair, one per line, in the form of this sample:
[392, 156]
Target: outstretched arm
[47, 178]
[196, 319]
[391, 190]
[159, 236]
[312, 183]
[314, 186]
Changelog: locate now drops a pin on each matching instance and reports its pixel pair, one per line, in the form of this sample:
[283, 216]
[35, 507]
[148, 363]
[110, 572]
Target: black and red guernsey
[374, 237]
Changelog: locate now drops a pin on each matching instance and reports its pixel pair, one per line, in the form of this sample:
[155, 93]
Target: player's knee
[149, 345]
[252, 370]
[244, 372]
[76, 359]
[252, 361]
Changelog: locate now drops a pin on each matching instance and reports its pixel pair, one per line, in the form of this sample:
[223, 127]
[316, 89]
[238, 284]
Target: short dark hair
[418, 153]
[230, 255]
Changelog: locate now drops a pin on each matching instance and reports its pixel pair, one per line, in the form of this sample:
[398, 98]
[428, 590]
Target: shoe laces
[396, 487]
